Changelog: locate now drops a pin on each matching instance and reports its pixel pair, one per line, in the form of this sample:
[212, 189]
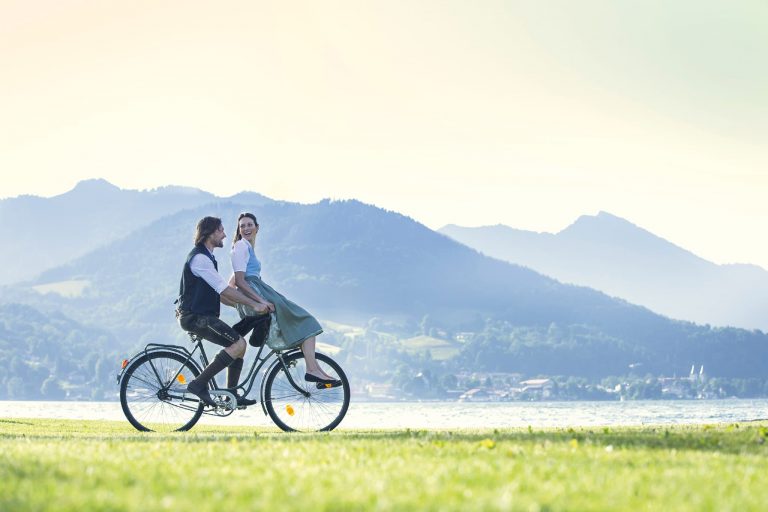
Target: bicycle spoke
[154, 404]
[307, 408]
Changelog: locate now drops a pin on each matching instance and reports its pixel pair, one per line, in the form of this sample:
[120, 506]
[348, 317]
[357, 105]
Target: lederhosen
[199, 305]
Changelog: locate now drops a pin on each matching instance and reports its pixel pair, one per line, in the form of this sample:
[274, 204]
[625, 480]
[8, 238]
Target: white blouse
[240, 255]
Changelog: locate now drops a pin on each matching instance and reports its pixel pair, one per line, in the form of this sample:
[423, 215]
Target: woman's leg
[313, 368]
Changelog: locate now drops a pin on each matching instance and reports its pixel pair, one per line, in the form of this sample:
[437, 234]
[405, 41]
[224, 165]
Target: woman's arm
[244, 287]
[240, 257]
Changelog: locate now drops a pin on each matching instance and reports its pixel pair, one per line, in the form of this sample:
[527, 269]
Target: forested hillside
[351, 262]
[52, 357]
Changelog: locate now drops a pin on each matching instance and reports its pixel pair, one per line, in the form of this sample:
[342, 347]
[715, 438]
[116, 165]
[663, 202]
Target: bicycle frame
[249, 379]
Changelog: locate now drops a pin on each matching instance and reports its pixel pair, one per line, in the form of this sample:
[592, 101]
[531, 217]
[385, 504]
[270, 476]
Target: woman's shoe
[322, 383]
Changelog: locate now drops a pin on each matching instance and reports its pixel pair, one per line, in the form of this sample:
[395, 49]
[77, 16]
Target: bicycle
[153, 390]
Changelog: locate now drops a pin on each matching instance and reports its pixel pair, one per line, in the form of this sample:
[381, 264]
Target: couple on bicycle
[202, 290]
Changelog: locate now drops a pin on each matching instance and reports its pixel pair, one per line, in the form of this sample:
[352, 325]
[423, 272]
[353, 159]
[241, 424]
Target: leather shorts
[209, 328]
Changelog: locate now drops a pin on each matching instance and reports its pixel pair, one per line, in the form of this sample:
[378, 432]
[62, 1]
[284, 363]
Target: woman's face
[248, 228]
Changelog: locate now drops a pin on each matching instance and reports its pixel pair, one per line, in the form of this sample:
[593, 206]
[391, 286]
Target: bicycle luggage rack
[155, 347]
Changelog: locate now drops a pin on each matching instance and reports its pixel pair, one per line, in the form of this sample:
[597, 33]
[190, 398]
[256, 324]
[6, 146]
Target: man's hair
[205, 228]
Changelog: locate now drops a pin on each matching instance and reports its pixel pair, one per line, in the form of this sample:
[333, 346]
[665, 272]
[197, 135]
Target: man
[201, 292]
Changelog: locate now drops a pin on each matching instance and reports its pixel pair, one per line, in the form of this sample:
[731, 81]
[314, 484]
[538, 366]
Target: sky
[524, 113]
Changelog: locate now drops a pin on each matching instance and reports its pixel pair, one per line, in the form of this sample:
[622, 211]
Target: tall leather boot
[199, 385]
[233, 376]
[233, 373]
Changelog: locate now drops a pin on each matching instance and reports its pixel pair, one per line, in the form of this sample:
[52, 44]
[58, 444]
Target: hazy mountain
[610, 254]
[345, 260]
[48, 232]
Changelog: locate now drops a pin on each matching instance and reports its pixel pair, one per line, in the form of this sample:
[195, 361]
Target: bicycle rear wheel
[152, 393]
[312, 411]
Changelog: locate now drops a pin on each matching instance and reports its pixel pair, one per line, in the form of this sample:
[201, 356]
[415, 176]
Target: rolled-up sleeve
[203, 268]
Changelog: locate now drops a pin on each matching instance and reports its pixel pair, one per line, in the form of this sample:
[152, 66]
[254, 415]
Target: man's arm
[226, 301]
[231, 296]
[202, 267]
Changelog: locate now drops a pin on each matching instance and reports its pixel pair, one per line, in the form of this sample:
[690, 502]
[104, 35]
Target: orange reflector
[327, 386]
[289, 410]
[181, 379]
[125, 363]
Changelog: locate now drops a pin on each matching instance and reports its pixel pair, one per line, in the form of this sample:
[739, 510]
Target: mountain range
[613, 255]
[354, 263]
[51, 231]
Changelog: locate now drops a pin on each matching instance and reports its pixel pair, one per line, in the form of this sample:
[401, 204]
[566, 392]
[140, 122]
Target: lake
[449, 415]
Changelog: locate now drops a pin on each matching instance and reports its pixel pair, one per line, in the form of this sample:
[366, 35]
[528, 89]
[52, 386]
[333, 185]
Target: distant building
[539, 388]
[697, 376]
[380, 391]
[474, 395]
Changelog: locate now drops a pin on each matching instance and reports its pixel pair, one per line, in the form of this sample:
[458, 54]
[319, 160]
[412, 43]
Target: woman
[296, 325]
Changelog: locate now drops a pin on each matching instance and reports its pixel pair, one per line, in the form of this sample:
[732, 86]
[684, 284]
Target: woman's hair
[237, 226]
[205, 228]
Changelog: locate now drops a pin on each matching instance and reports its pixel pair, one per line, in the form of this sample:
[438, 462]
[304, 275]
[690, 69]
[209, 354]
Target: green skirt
[291, 324]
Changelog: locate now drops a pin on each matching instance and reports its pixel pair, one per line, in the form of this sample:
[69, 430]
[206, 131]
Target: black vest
[195, 295]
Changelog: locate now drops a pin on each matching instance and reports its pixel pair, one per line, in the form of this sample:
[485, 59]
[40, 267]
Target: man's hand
[270, 307]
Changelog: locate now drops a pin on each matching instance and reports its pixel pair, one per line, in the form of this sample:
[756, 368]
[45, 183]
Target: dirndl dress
[291, 324]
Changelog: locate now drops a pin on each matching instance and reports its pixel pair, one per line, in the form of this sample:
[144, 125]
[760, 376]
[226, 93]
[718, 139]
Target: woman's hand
[270, 306]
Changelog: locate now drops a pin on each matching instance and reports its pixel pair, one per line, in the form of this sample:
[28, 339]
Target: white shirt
[240, 255]
[202, 267]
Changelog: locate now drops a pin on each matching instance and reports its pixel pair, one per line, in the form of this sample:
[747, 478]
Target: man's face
[217, 237]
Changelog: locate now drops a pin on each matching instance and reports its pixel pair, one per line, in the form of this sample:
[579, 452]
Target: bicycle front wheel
[307, 409]
[153, 393]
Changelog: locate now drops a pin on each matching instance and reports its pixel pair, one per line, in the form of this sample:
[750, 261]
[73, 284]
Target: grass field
[95, 465]
[440, 350]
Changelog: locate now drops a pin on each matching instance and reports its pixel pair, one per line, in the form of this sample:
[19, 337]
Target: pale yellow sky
[447, 111]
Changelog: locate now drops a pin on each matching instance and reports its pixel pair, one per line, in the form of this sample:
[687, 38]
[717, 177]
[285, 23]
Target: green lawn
[95, 465]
